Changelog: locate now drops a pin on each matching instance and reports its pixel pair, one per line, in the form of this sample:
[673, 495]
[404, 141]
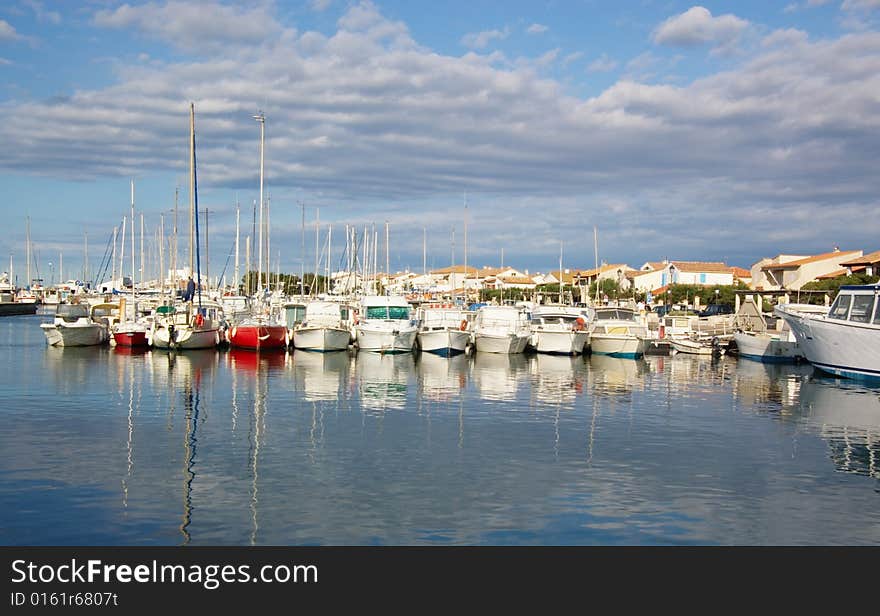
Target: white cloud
[537, 29]
[371, 122]
[572, 57]
[200, 27]
[320, 5]
[42, 14]
[697, 26]
[7, 32]
[480, 40]
[5, 62]
[860, 5]
[602, 64]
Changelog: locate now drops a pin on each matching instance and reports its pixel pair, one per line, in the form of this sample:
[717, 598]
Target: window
[840, 308]
[877, 314]
[377, 312]
[861, 308]
[398, 312]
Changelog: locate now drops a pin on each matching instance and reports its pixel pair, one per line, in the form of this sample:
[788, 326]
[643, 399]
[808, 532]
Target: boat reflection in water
[615, 376]
[498, 376]
[442, 378]
[382, 379]
[847, 417]
[249, 360]
[321, 375]
[558, 379]
[773, 387]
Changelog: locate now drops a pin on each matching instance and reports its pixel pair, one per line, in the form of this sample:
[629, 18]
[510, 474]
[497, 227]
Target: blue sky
[712, 131]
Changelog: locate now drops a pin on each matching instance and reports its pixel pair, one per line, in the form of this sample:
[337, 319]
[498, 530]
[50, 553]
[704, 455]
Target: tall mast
[317, 250]
[85, 279]
[302, 253]
[174, 246]
[261, 118]
[207, 252]
[247, 257]
[560, 272]
[464, 280]
[387, 253]
[60, 268]
[268, 245]
[132, 237]
[596, 249]
[122, 254]
[195, 200]
[424, 251]
[27, 283]
[237, 217]
[142, 251]
[113, 257]
[192, 189]
[162, 254]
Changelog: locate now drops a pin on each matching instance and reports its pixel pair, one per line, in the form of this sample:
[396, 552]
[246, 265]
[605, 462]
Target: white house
[655, 275]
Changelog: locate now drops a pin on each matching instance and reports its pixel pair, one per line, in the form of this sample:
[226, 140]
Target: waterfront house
[654, 275]
[791, 272]
[868, 264]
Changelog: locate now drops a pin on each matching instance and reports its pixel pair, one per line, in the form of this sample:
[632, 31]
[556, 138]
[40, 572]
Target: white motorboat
[76, 325]
[558, 330]
[754, 340]
[444, 331]
[386, 325]
[696, 345]
[617, 332]
[501, 329]
[845, 341]
[326, 327]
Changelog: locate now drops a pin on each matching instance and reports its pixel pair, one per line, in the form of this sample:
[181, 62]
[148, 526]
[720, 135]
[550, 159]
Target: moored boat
[616, 332]
[75, 325]
[558, 330]
[501, 329]
[845, 341]
[325, 327]
[386, 325]
[443, 331]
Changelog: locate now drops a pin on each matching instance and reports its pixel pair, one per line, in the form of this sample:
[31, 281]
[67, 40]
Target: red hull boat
[258, 336]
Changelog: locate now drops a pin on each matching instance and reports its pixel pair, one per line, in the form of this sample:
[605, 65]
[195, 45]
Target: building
[655, 275]
[791, 272]
[868, 264]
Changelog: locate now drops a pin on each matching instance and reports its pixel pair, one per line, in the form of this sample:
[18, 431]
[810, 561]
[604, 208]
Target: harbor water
[105, 446]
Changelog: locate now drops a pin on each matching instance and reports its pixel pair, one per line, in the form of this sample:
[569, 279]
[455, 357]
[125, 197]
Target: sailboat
[191, 326]
[259, 330]
[130, 332]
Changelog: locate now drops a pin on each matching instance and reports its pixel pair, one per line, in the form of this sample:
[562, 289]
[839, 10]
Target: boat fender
[464, 325]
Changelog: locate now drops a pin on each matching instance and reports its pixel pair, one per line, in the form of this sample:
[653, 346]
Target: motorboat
[501, 329]
[326, 327]
[617, 332]
[386, 325]
[444, 331]
[558, 330]
[755, 340]
[845, 341]
[76, 325]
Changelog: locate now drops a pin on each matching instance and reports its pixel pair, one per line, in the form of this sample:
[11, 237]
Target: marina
[131, 446]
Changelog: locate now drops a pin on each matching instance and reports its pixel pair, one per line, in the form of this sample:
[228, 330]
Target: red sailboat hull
[131, 339]
[258, 337]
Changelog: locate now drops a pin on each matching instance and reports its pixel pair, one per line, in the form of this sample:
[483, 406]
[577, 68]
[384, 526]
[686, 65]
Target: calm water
[105, 447]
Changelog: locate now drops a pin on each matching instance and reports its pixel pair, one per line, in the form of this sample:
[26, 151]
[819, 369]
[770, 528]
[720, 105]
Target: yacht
[501, 329]
[617, 332]
[76, 325]
[324, 328]
[386, 325]
[559, 330]
[845, 341]
[443, 331]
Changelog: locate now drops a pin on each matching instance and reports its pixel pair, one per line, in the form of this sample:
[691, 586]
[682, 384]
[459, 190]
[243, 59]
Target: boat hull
[186, 338]
[445, 342]
[494, 343]
[560, 342]
[76, 335]
[321, 338]
[840, 348]
[767, 348]
[618, 345]
[258, 337]
[16, 308]
[386, 341]
[130, 336]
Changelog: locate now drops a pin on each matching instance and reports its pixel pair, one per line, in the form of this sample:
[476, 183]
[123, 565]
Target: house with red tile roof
[654, 275]
[791, 272]
[868, 264]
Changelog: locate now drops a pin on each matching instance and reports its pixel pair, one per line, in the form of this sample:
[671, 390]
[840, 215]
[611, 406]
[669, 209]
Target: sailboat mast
[464, 280]
[317, 250]
[113, 257]
[192, 210]
[596, 249]
[132, 237]
[162, 254]
[27, 283]
[560, 272]
[387, 253]
[122, 254]
[237, 220]
[85, 260]
[261, 118]
[194, 198]
[142, 250]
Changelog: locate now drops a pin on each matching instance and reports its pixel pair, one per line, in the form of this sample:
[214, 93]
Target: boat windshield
[861, 308]
[840, 308]
[388, 312]
[72, 311]
[616, 314]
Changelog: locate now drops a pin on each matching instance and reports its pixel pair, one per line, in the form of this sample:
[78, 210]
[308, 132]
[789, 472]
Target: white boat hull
[75, 335]
[693, 347]
[400, 340]
[498, 343]
[767, 347]
[618, 345]
[844, 349]
[560, 342]
[185, 338]
[321, 338]
[446, 341]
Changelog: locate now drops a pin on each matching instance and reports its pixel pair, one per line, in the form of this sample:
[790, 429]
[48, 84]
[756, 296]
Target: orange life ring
[464, 325]
[579, 324]
[200, 320]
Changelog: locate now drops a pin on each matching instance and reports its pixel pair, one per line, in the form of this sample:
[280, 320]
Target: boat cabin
[857, 303]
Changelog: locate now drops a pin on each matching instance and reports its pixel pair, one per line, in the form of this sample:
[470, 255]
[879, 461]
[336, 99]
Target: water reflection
[321, 376]
[255, 361]
[382, 379]
[615, 376]
[848, 418]
[442, 378]
[558, 379]
[498, 376]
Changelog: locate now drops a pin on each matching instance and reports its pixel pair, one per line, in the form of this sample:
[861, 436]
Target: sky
[720, 131]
